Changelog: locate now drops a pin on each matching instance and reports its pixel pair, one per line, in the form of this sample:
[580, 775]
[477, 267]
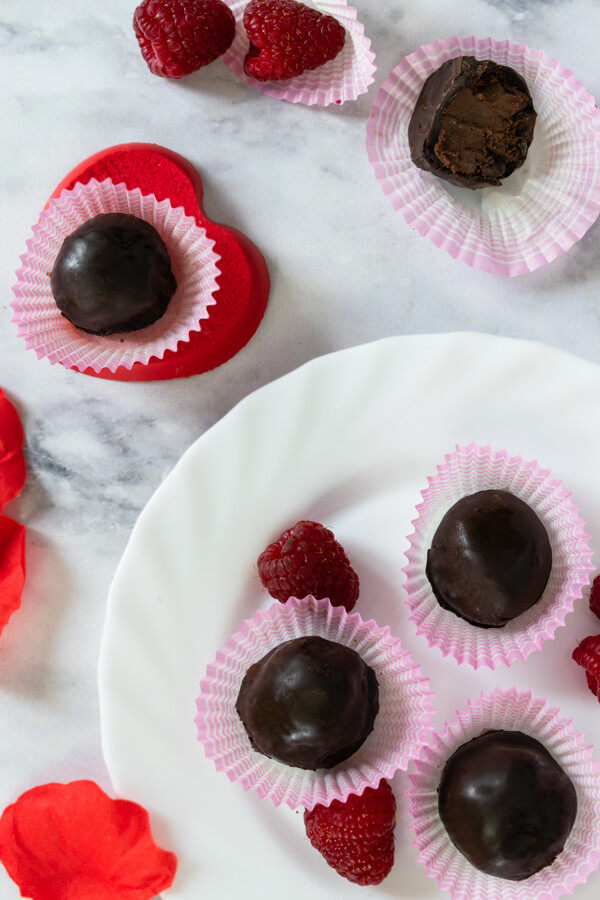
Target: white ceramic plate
[348, 439]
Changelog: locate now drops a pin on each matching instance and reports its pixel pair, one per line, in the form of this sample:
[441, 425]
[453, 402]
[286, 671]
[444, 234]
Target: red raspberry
[595, 596]
[307, 559]
[592, 684]
[356, 838]
[178, 37]
[288, 38]
[587, 654]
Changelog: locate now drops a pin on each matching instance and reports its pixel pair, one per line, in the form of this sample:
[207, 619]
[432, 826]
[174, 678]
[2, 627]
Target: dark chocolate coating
[506, 804]
[490, 558]
[309, 703]
[113, 274]
[472, 123]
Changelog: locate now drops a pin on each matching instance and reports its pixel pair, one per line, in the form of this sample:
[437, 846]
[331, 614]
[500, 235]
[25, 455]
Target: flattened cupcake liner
[541, 210]
[51, 335]
[507, 711]
[401, 725]
[343, 78]
[467, 470]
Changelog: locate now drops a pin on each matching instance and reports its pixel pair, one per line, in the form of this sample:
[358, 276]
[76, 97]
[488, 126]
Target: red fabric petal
[12, 567]
[12, 461]
[73, 842]
[11, 430]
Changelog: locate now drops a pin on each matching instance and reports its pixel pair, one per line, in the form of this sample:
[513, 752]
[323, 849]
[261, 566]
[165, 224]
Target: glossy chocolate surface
[506, 804]
[490, 558]
[112, 275]
[472, 123]
[309, 703]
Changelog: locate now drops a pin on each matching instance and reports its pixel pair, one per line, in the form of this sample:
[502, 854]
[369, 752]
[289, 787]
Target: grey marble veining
[345, 269]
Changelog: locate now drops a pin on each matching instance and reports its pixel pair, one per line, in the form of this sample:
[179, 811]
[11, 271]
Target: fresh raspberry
[178, 37]
[288, 38]
[592, 684]
[307, 559]
[595, 596]
[356, 838]
[587, 654]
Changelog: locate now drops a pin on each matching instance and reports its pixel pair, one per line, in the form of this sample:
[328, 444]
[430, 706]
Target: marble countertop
[345, 269]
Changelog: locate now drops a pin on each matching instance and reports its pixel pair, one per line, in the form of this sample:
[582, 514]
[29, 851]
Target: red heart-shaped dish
[243, 280]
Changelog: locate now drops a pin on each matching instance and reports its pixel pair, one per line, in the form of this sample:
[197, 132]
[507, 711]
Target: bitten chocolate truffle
[506, 804]
[112, 275]
[490, 558]
[309, 703]
[472, 123]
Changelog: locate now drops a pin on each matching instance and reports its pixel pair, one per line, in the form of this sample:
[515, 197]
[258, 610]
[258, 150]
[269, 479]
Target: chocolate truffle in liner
[309, 703]
[473, 123]
[113, 275]
[506, 804]
[490, 558]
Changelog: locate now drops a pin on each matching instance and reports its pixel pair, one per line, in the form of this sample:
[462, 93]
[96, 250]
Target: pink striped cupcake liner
[401, 726]
[51, 335]
[507, 711]
[343, 78]
[466, 471]
[541, 210]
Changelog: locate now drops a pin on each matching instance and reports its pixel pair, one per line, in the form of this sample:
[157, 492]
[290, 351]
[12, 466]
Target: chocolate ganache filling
[473, 123]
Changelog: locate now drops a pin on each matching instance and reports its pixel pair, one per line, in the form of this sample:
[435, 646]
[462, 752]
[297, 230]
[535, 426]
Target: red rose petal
[73, 842]
[12, 567]
[12, 461]
[11, 430]
[13, 473]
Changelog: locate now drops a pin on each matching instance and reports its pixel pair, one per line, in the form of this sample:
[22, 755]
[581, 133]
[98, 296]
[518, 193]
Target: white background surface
[345, 269]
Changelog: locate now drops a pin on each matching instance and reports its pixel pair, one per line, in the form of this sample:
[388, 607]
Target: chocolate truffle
[113, 274]
[506, 804]
[490, 558]
[309, 703]
[472, 123]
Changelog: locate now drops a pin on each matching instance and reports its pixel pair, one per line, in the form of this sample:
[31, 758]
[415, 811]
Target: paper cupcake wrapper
[343, 78]
[401, 726]
[508, 711]
[51, 335]
[467, 470]
[541, 210]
